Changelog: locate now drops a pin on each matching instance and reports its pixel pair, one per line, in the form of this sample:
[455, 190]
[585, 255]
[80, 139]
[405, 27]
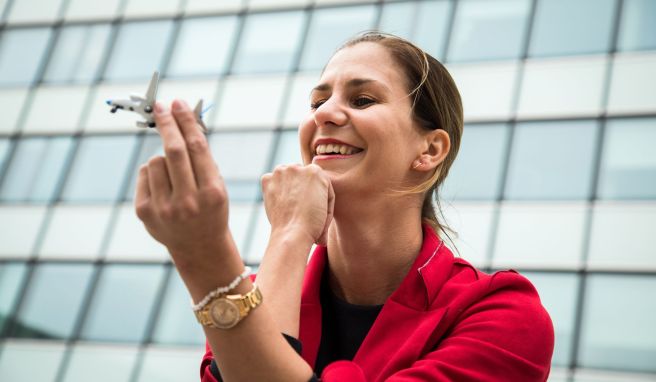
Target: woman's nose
[330, 113]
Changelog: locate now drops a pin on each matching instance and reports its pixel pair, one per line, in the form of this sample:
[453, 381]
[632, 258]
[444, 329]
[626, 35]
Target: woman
[382, 298]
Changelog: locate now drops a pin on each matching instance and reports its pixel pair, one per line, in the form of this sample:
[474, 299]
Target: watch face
[224, 313]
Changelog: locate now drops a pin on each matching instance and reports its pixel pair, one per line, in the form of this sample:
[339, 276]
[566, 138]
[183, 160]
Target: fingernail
[158, 108]
[178, 105]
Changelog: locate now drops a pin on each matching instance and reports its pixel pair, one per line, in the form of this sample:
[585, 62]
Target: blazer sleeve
[506, 336]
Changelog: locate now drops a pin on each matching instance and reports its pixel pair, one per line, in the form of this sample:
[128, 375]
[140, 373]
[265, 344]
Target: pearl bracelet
[219, 291]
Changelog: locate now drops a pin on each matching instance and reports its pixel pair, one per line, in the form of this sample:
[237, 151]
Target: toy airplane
[143, 105]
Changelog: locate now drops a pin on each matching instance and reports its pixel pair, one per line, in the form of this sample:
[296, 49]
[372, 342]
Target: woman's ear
[436, 148]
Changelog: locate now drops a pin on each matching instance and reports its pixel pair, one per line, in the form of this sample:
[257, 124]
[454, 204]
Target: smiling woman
[382, 297]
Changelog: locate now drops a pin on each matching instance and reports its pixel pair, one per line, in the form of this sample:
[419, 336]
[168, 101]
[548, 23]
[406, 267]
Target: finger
[142, 191]
[158, 180]
[205, 170]
[329, 215]
[175, 148]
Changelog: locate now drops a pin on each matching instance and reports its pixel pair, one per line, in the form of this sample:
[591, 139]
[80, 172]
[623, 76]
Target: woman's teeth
[332, 148]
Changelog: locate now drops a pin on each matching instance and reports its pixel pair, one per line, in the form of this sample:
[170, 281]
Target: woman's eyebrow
[352, 83]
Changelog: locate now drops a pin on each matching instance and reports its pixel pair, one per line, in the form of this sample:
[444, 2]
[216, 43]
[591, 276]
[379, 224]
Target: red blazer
[447, 321]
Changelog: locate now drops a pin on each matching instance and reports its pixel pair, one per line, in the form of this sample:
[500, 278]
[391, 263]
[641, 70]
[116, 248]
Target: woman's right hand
[299, 200]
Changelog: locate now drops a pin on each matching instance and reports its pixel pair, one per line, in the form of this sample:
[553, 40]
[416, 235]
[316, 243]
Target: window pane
[562, 88]
[18, 358]
[558, 293]
[100, 364]
[131, 241]
[33, 11]
[623, 236]
[250, 102]
[76, 232]
[476, 173]
[5, 146]
[122, 303]
[205, 6]
[12, 100]
[151, 8]
[618, 329]
[77, 53]
[422, 22]
[552, 160]
[540, 235]
[298, 101]
[21, 52]
[268, 42]
[564, 27]
[56, 109]
[99, 169]
[176, 324]
[472, 223]
[632, 84]
[485, 30]
[487, 89]
[53, 301]
[330, 28]
[288, 150]
[151, 146]
[86, 10]
[628, 164]
[638, 25]
[11, 279]
[241, 156]
[169, 365]
[203, 46]
[138, 50]
[20, 227]
[35, 169]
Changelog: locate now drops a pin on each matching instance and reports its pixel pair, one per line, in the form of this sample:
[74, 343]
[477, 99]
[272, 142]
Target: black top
[343, 329]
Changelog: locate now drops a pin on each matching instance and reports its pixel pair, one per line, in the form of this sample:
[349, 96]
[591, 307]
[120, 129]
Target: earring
[417, 165]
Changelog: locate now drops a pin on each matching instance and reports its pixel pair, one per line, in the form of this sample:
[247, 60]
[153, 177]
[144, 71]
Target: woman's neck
[370, 254]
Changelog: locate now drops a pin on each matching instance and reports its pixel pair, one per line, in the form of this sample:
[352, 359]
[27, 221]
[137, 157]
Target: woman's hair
[436, 104]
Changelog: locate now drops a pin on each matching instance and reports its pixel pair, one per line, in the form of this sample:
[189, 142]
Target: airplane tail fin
[151, 93]
[198, 112]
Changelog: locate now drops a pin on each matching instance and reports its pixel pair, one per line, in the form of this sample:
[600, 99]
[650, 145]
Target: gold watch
[225, 311]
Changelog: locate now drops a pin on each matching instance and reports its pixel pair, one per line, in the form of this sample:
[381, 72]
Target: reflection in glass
[558, 293]
[637, 28]
[77, 53]
[175, 326]
[53, 301]
[18, 360]
[35, 169]
[423, 22]
[100, 364]
[330, 28]
[628, 164]
[151, 146]
[564, 27]
[618, 329]
[122, 303]
[488, 30]
[268, 42]
[11, 278]
[476, 173]
[21, 52]
[138, 50]
[552, 160]
[99, 169]
[203, 46]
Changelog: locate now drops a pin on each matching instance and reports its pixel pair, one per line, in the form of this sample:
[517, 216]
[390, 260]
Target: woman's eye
[363, 101]
[315, 105]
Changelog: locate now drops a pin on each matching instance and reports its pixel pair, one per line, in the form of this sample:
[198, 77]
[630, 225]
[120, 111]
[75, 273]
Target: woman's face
[360, 128]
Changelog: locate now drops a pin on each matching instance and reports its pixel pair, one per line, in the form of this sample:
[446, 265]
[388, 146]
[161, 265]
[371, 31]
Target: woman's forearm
[253, 350]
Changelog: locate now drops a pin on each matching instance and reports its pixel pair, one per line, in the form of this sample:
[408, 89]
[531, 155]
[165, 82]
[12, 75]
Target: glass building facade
[556, 176]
